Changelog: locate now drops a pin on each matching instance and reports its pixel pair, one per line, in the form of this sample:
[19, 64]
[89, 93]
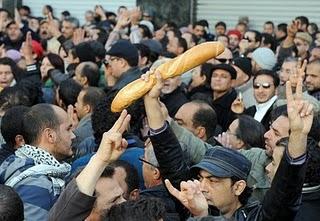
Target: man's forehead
[281, 124]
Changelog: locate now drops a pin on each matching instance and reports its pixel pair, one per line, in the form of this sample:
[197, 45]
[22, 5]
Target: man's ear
[238, 187]
[19, 141]
[84, 80]
[50, 135]
[201, 132]
[156, 174]
[134, 194]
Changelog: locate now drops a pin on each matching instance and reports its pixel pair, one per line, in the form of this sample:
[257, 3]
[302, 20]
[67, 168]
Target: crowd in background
[236, 138]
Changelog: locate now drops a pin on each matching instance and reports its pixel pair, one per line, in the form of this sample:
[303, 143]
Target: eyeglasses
[224, 60]
[141, 158]
[249, 40]
[264, 85]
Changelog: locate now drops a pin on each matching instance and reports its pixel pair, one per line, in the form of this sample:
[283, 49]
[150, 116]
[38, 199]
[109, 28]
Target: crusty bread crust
[177, 66]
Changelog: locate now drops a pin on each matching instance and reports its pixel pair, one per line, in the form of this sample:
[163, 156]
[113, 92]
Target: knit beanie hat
[265, 58]
[244, 64]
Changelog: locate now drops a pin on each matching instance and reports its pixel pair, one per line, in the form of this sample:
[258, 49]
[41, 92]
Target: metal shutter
[258, 11]
[77, 8]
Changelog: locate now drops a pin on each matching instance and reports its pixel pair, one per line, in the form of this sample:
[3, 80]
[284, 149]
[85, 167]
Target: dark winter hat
[124, 49]
[226, 67]
[244, 64]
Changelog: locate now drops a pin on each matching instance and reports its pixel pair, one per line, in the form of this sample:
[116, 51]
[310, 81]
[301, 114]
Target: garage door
[258, 11]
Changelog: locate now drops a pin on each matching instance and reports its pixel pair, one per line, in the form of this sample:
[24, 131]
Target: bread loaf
[190, 59]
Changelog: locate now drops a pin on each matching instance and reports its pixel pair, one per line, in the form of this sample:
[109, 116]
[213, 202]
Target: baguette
[172, 68]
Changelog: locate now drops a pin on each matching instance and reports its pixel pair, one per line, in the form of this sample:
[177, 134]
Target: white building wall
[259, 11]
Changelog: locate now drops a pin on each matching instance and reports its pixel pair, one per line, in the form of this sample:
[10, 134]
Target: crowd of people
[236, 138]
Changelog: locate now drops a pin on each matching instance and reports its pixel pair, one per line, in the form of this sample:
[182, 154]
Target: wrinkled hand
[292, 29]
[237, 106]
[190, 196]
[155, 92]
[300, 112]
[112, 144]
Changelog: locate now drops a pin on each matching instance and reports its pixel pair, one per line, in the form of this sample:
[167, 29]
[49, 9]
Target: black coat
[174, 101]
[251, 111]
[222, 107]
[310, 206]
[162, 193]
[281, 202]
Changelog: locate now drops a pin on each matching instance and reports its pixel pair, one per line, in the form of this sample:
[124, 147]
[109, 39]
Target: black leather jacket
[281, 202]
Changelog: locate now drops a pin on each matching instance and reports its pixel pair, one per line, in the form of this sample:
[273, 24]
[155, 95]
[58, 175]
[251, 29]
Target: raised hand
[26, 49]
[135, 15]
[53, 27]
[292, 29]
[224, 139]
[237, 105]
[300, 112]
[123, 21]
[156, 90]
[78, 36]
[190, 196]
[112, 144]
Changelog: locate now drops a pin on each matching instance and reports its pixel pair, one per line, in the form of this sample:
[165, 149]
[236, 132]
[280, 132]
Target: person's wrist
[100, 160]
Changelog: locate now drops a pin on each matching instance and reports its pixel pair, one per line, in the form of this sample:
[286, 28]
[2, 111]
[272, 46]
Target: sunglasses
[264, 85]
[249, 40]
[224, 60]
[141, 158]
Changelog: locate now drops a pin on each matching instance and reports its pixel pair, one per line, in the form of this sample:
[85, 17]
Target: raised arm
[284, 197]
[77, 200]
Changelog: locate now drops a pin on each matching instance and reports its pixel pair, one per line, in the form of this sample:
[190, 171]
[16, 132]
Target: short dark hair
[144, 209]
[282, 27]
[90, 70]
[16, 71]
[146, 31]
[205, 116]
[275, 77]
[206, 70]
[26, 8]
[304, 20]
[144, 50]
[49, 7]
[11, 205]
[93, 96]
[132, 178]
[13, 96]
[183, 43]
[203, 23]
[56, 61]
[69, 91]
[269, 39]
[103, 118]
[108, 172]
[256, 136]
[221, 23]
[11, 124]
[257, 35]
[38, 118]
[269, 23]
